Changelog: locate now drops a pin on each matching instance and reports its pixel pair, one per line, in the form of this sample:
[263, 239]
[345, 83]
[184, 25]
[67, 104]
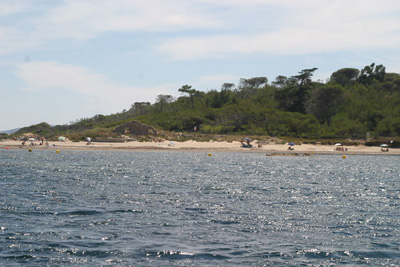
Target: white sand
[199, 146]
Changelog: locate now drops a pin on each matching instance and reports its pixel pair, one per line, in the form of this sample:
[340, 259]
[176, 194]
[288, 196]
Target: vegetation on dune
[351, 105]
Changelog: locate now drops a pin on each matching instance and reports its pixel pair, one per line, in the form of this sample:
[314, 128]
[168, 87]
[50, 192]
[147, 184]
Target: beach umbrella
[247, 139]
[291, 144]
[338, 144]
[384, 145]
[31, 139]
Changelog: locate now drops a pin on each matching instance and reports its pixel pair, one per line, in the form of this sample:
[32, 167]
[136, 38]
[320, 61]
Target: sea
[169, 208]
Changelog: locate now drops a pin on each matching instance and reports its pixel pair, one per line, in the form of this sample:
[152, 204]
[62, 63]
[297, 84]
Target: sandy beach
[200, 146]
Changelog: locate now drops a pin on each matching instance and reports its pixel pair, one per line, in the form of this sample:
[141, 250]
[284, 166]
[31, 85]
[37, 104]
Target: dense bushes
[352, 104]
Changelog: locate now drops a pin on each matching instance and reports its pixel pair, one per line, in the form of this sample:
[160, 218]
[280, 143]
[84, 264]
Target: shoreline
[192, 146]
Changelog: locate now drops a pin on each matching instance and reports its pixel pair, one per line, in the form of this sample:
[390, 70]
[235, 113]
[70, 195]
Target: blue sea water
[192, 209]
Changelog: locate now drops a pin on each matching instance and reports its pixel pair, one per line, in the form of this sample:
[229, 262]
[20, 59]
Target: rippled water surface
[181, 208]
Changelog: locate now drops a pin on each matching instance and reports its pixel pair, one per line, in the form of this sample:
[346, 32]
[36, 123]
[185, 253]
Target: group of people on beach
[33, 143]
[246, 143]
[341, 148]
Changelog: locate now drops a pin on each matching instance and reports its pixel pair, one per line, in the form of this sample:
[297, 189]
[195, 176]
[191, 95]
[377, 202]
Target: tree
[304, 77]
[325, 102]
[140, 107]
[248, 87]
[164, 100]
[391, 83]
[280, 81]
[255, 82]
[370, 73]
[286, 98]
[191, 92]
[218, 99]
[227, 86]
[345, 76]
[303, 80]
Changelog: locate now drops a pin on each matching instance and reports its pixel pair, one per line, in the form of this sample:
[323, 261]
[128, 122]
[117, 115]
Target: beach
[191, 145]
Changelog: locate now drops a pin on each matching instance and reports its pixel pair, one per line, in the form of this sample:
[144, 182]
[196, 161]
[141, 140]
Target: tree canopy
[351, 104]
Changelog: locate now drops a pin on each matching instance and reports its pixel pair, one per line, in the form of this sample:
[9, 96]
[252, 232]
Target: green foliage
[218, 129]
[389, 126]
[293, 124]
[280, 81]
[191, 92]
[345, 76]
[292, 94]
[94, 133]
[163, 100]
[344, 127]
[255, 82]
[325, 102]
[351, 104]
[42, 129]
[370, 73]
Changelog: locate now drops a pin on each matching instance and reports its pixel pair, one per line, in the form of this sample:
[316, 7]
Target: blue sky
[65, 60]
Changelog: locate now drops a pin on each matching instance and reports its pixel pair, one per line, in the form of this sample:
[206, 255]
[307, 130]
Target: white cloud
[288, 26]
[8, 7]
[77, 20]
[307, 27]
[83, 20]
[103, 96]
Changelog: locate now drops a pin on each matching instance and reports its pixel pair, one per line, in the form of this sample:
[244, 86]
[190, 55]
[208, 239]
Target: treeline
[351, 104]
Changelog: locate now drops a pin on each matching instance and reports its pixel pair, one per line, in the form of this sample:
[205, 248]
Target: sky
[61, 61]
